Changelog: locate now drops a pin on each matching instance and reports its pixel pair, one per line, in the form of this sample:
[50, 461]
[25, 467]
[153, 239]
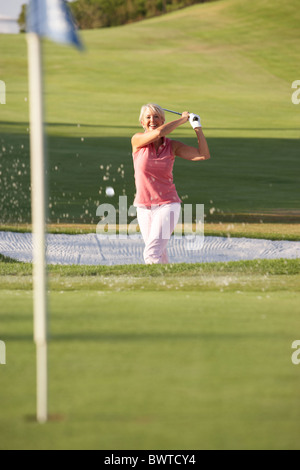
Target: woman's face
[151, 120]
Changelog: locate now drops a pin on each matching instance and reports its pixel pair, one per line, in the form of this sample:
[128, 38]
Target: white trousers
[157, 224]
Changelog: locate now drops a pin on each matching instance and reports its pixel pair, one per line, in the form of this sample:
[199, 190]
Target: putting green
[180, 370]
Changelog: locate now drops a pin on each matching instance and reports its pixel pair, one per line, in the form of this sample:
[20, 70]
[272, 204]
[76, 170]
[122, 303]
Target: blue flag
[52, 19]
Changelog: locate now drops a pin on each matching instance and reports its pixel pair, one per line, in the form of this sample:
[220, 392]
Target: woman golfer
[157, 201]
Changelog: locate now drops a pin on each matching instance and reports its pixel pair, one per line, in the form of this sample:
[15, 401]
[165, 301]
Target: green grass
[160, 357]
[276, 231]
[206, 58]
[273, 267]
[155, 369]
[155, 357]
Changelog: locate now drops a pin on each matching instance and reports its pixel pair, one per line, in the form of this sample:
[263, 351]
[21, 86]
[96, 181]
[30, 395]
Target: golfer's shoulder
[136, 136]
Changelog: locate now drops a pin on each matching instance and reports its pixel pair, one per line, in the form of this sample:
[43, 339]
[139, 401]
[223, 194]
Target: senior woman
[157, 202]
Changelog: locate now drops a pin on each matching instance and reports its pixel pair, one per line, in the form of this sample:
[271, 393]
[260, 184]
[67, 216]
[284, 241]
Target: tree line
[91, 14]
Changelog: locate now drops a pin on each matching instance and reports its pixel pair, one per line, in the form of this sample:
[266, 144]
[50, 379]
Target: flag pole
[38, 198]
[53, 20]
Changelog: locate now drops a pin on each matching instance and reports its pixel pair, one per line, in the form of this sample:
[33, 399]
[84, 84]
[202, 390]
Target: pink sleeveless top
[153, 173]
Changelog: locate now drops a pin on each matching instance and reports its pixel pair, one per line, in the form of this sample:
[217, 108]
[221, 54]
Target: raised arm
[192, 153]
[143, 139]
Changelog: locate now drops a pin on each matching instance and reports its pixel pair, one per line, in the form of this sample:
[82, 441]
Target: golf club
[180, 114]
[173, 112]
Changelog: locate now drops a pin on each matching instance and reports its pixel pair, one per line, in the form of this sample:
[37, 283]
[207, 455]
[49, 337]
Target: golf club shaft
[173, 112]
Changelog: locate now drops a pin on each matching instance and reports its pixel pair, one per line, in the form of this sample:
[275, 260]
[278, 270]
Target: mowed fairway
[149, 357]
[231, 61]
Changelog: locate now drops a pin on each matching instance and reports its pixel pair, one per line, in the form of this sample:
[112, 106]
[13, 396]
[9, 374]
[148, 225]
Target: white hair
[155, 108]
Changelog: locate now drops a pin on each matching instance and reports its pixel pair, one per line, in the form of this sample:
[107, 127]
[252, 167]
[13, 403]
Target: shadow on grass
[244, 176]
[137, 337]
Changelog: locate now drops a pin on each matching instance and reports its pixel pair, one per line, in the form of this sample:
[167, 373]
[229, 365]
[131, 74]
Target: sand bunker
[93, 249]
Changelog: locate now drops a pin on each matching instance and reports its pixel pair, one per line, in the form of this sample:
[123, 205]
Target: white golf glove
[195, 121]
